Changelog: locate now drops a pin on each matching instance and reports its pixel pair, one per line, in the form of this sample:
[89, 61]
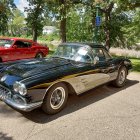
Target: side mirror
[15, 46]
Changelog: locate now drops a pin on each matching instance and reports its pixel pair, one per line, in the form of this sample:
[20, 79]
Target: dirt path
[104, 113]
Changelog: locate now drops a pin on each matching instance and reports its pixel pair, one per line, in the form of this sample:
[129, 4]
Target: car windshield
[6, 43]
[74, 52]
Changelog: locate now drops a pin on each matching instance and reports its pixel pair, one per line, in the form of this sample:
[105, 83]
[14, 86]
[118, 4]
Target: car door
[97, 72]
[112, 67]
[100, 64]
[28, 53]
[23, 49]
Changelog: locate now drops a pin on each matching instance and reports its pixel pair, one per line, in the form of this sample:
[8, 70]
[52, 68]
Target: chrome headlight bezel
[20, 88]
[3, 78]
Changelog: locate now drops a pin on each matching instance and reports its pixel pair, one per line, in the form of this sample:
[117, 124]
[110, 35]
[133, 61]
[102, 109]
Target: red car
[16, 48]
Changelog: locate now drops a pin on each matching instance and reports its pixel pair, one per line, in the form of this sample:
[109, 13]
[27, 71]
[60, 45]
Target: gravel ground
[105, 113]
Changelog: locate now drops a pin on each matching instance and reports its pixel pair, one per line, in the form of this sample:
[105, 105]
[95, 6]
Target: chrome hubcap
[122, 77]
[57, 98]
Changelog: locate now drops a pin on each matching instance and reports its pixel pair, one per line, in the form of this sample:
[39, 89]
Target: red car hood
[3, 48]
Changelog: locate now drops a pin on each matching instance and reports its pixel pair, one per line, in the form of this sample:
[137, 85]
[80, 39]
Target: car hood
[35, 66]
[3, 48]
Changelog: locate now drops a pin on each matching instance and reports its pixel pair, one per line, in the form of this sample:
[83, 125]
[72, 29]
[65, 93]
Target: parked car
[16, 48]
[73, 69]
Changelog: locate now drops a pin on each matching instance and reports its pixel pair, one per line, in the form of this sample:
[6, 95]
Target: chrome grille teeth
[4, 93]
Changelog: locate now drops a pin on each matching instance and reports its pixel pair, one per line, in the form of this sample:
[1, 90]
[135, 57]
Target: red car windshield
[6, 43]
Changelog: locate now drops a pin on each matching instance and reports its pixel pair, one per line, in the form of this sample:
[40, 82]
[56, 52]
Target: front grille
[4, 93]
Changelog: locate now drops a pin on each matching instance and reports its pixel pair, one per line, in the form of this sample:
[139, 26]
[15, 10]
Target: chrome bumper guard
[5, 96]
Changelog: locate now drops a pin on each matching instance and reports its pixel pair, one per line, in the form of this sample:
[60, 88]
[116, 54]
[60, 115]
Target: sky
[21, 4]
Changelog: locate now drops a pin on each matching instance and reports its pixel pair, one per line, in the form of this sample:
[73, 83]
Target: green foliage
[116, 25]
[121, 23]
[50, 37]
[79, 26]
[35, 19]
[75, 19]
[6, 7]
[17, 23]
[136, 64]
[132, 30]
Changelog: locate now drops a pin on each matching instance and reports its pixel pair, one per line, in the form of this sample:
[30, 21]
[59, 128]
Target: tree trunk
[93, 16]
[35, 35]
[63, 20]
[107, 42]
[63, 30]
[107, 11]
[12, 33]
[107, 32]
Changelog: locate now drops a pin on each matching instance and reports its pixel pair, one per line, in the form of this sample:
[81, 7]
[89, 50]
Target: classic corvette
[73, 69]
[12, 49]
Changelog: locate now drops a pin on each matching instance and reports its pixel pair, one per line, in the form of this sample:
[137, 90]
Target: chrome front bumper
[23, 107]
[18, 102]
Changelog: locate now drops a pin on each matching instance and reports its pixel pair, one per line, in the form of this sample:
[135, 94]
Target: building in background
[49, 29]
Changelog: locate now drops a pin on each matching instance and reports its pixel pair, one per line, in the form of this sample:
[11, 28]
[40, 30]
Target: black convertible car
[73, 69]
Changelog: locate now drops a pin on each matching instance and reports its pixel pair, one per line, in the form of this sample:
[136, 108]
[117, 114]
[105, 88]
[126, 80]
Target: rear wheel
[39, 55]
[56, 99]
[121, 78]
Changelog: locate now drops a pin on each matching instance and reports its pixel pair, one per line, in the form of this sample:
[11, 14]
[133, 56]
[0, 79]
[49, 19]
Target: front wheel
[56, 99]
[39, 55]
[121, 78]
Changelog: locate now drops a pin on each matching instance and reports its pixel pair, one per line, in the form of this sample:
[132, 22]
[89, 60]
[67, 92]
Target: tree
[61, 10]
[116, 19]
[35, 18]
[17, 23]
[79, 24]
[132, 30]
[6, 7]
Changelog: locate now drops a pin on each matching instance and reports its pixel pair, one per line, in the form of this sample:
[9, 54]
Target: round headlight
[16, 86]
[20, 88]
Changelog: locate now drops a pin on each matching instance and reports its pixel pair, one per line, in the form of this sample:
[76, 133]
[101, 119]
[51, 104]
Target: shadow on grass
[5, 137]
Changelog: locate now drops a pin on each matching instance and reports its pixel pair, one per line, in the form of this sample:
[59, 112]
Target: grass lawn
[136, 64]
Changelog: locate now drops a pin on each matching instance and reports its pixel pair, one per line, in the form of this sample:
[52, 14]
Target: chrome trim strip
[87, 82]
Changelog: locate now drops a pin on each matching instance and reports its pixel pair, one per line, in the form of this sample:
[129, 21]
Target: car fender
[79, 84]
[40, 52]
[127, 63]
